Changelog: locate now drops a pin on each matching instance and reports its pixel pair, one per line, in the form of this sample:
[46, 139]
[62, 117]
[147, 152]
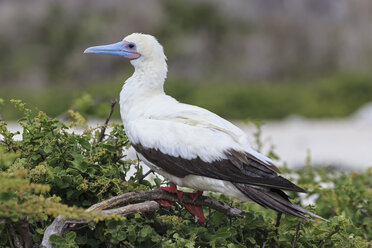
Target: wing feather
[188, 140]
[228, 169]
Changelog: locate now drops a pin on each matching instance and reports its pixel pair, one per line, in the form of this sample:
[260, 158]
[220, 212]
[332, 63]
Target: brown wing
[274, 199]
[238, 167]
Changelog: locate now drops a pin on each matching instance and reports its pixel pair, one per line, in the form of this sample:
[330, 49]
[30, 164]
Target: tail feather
[274, 199]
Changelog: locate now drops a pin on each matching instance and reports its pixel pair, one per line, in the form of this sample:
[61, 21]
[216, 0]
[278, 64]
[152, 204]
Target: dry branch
[165, 195]
[55, 228]
[103, 129]
[145, 175]
[139, 202]
[143, 207]
[297, 235]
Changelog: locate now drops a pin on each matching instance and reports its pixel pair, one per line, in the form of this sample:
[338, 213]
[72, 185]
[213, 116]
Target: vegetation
[52, 171]
[335, 96]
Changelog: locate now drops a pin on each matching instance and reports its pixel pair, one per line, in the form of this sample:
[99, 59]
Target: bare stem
[297, 235]
[145, 175]
[103, 129]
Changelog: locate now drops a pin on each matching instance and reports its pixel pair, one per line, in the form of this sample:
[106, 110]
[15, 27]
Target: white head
[143, 50]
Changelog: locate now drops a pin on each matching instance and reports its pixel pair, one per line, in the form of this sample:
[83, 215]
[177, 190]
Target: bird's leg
[195, 210]
[173, 189]
[196, 195]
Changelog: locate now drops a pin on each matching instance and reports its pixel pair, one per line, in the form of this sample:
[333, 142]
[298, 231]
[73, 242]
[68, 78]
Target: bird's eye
[131, 45]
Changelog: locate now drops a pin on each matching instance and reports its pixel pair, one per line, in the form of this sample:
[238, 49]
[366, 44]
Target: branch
[103, 129]
[143, 207]
[165, 195]
[55, 228]
[145, 175]
[146, 203]
[296, 235]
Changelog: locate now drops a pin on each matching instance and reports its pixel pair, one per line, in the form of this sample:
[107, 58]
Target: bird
[189, 145]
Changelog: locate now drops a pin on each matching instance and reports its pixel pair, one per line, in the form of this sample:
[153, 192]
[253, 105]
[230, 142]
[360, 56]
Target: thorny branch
[139, 202]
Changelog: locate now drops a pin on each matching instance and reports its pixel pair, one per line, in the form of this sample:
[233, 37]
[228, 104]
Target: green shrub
[53, 171]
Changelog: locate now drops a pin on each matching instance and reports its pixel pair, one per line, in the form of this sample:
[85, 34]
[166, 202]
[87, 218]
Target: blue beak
[117, 49]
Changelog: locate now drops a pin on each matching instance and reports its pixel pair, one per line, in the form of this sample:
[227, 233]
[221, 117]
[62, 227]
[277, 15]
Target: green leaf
[55, 239]
[251, 240]
[70, 237]
[145, 231]
[122, 235]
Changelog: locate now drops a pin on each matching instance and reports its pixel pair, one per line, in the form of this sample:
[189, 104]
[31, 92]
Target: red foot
[195, 195]
[173, 189]
[195, 210]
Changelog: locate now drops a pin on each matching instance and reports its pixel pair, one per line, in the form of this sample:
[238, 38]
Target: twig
[278, 217]
[296, 235]
[145, 175]
[271, 241]
[116, 158]
[103, 129]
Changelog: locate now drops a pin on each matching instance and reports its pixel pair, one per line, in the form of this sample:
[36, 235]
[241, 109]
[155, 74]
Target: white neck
[146, 82]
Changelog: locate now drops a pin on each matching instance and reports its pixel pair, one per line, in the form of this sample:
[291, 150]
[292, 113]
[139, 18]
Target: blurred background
[303, 67]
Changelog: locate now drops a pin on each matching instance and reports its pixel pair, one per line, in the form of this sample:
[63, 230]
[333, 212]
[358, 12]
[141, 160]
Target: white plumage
[191, 146]
[155, 119]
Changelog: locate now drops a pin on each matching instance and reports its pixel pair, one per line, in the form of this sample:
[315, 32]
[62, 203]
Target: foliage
[338, 95]
[53, 167]
[334, 96]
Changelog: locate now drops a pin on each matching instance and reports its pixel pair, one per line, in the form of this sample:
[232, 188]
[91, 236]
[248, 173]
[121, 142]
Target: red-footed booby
[189, 145]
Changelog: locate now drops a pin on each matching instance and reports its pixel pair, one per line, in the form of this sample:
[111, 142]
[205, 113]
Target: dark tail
[274, 199]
